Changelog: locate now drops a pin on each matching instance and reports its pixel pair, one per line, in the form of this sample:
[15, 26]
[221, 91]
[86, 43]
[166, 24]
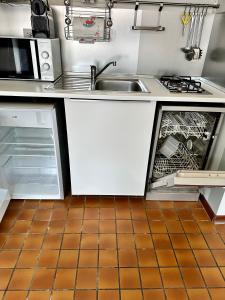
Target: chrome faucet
[94, 74]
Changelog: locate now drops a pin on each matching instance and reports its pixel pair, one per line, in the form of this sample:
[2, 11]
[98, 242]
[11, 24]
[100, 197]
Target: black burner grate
[181, 84]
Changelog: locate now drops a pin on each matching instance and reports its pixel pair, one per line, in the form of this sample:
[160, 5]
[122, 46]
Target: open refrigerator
[30, 154]
[185, 155]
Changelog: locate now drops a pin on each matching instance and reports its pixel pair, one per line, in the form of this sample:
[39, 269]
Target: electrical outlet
[27, 33]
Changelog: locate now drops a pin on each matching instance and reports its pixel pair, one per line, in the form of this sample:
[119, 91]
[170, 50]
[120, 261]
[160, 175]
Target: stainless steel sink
[123, 85]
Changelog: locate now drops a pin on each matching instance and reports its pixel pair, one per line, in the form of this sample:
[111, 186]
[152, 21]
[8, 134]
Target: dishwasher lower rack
[183, 159]
[188, 124]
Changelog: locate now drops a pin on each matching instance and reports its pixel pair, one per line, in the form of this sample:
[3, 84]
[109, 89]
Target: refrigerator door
[191, 178]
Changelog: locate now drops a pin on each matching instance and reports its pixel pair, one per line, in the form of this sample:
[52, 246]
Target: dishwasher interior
[185, 140]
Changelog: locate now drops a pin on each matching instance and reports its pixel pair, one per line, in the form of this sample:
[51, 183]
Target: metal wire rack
[182, 159]
[88, 25]
[189, 124]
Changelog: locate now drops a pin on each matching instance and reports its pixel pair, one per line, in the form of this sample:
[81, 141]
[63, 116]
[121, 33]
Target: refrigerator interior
[184, 141]
[28, 162]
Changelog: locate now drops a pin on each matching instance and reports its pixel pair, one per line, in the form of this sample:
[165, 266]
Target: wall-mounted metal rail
[209, 5]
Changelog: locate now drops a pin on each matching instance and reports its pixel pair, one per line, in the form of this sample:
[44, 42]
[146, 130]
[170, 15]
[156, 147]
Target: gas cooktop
[182, 84]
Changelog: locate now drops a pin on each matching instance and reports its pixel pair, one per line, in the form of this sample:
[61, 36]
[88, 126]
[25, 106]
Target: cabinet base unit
[109, 143]
[30, 159]
[185, 145]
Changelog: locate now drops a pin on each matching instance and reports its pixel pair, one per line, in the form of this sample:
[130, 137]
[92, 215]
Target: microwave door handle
[16, 55]
[34, 59]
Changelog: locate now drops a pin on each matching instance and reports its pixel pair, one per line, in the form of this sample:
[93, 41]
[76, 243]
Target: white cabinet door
[109, 144]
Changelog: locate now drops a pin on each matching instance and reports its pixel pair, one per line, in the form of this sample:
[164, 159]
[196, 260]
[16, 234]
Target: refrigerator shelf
[189, 124]
[27, 141]
[28, 150]
[30, 162]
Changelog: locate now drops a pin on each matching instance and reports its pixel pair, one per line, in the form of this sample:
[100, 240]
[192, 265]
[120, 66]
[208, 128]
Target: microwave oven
[30, 58]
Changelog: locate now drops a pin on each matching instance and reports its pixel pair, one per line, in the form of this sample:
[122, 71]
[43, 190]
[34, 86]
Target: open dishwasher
[188, 152]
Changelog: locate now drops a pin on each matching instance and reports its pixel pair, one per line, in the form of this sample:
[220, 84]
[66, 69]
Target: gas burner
[182, 84]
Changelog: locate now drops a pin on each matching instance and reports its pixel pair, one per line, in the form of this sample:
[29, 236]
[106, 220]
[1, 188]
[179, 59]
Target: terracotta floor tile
[173, 294]
[21, 279]
[6, 226]
[122, 202]
[91, 213]
[171, 278]
[127, 258]
[88, 258]
[73, 226]
[147, 258]
[154, 214]
[62, 295]
[166, 258]
[43, 279]
[219, 256]
[86, 278]
[131, 295]
[32, 203]
[151, 204]
[123, 213]
[200, 214]
[107, 201]
[185, 214]
[107, 226]
[197, 241]
[196, 294]
[190, 226]
[90, 226]
[108, 278]
[141, 226]
[136, 201]
[33, 241]
[52, 241]
[185, 258]
[26, 214]
[206, 227]
[143, 241]
[161, 241]
[108, 258]
[12, 295]
[124, 226]
[89, 241]
[92, 201]
[39, 295]
[150, 278]
[217, 294]
[157, 294]
[166, 204]
[48, 258]
[157, 227]
[1, 295]
[125, 241]
[21, 227]
[3, 238]
[192, 277]
[16, 203]
[222, 269]
[45, 204]
[179, 241]
[77, 201]
[129, 280]
[108, 294]
[71, 241]
[42, 214]
[65, 279]
[75, 213]
[68, 259]
[8, 258]
[169, 214]
[14, 241]
[107, 213]
[214, 241]
[59, 214]
[213, 277]
[28, 259]
[138, 214]
[87, 295]
[204, 258]
[5, 275]
[107, 241]
[39, 227]
[56, 226]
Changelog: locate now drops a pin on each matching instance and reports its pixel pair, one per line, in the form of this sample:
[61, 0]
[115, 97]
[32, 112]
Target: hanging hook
[161, 6]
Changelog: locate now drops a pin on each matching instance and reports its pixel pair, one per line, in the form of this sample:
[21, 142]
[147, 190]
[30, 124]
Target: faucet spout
[94, 73]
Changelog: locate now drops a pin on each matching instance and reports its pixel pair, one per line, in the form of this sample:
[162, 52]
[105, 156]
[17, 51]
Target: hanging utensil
[189, 38]
[186, 18]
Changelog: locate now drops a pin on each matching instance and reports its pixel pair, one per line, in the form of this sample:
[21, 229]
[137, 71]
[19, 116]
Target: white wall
[151, 53]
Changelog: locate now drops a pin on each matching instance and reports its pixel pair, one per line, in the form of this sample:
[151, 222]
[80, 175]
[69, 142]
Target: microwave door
[34, 59]
[191, 178]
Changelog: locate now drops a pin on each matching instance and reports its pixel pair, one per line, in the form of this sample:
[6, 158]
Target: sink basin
[120, 85]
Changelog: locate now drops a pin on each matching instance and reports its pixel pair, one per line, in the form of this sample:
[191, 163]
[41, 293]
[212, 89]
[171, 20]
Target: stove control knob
[45, 67]
[45, 54]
